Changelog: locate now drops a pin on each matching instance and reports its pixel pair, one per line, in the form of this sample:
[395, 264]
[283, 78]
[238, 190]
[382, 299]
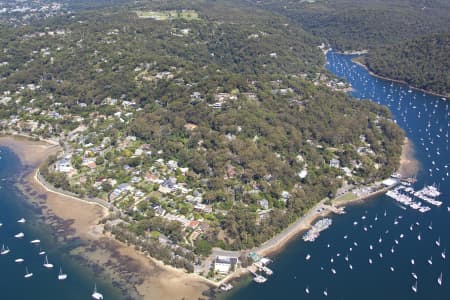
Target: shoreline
[408, 166]
[88, 228]
[394, 80]
[150, 279]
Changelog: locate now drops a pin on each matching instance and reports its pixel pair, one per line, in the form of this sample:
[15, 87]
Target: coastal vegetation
[364, 24]
[212, 126]
[422, 62]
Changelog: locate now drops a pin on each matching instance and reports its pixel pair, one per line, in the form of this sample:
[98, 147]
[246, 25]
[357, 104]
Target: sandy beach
[126, 266]
[409, 166]
[77, 219]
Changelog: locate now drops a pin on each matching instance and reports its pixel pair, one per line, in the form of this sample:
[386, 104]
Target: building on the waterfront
[223, 264]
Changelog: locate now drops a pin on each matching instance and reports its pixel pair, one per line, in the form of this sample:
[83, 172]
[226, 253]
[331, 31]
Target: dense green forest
[422, 62]
[364, 24]
[237, 95]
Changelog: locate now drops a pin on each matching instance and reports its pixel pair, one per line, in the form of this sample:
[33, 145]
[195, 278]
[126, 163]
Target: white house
[222, 264]
[63, 166]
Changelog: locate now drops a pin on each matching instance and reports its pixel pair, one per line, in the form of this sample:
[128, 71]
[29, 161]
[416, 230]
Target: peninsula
[198, 132]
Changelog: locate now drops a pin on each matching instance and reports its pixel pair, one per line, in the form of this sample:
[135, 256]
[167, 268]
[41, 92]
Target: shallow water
[43, 285]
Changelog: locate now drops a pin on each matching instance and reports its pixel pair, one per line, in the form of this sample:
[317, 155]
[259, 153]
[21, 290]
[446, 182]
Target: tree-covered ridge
[422, 62]
[358, 25]
[224, 119]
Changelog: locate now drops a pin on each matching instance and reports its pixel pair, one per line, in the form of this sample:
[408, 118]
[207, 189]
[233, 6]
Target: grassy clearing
[163, 15]
[344, 198]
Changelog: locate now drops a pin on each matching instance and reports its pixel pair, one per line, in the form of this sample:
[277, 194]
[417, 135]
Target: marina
[396, 240]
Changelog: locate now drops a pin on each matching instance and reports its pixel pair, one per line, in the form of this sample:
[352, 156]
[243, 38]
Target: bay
[426, 121]
[44, 284]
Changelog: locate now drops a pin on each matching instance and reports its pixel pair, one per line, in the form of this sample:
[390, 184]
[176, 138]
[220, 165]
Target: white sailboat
[443, 254]
[47, 264]
[27, 274]
[4, 250]
[96, 295]
[21, 220]
[307, 290]
[439, 280]
[35, 241]
[42, 252]
[414, 287]
[19, 260]
[19, 235]
[414, 275]
[325, 293]
[61, 275]
[438, 242]
[308, 257]
[430, 260]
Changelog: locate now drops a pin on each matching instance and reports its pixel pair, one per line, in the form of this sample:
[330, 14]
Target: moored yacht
[27, 274]
[19, 260]
[4, 250]
[96, 295]
[61, 275]
[21, 220]
[35, 241]
[47, 264]
[19, 235]
[414, 287]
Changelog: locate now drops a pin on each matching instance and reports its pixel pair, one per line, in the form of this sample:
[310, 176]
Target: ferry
[258, 279]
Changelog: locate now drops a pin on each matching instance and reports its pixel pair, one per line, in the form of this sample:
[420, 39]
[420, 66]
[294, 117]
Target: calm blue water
[425, 120]
[43, 285]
